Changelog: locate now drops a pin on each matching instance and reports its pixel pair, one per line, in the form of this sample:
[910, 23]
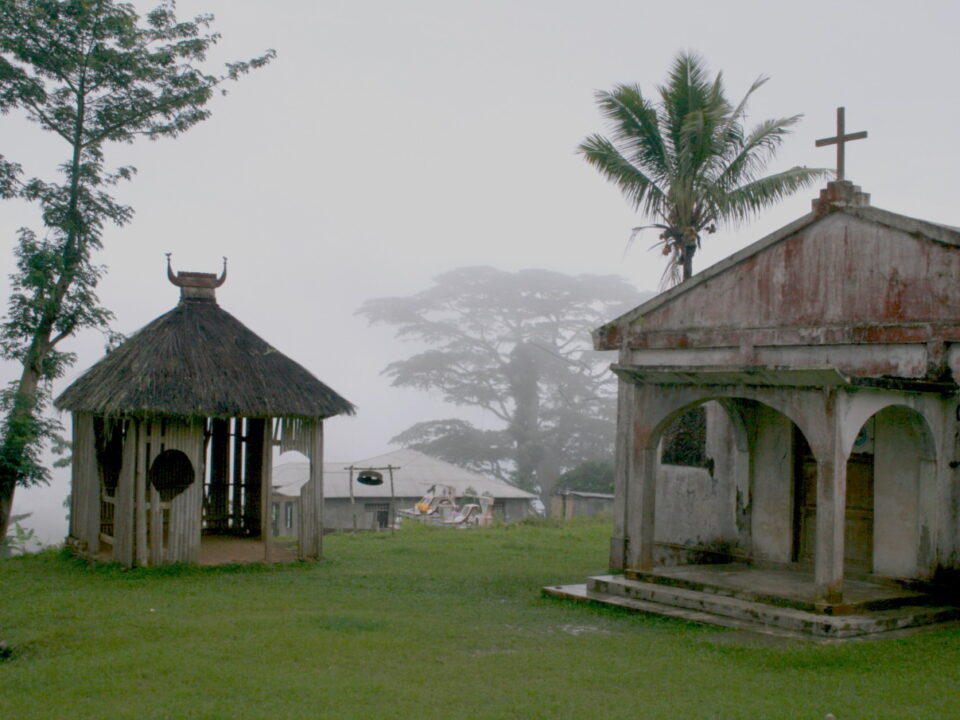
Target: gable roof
[845, 265]
[416, 473]
[199, 360]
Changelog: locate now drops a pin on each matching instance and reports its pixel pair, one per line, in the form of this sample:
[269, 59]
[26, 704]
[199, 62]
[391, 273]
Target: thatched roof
[199, 360]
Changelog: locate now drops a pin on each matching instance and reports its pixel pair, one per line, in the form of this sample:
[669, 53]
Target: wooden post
[123, 520]
[140, 479]
[85, 486]
[237, 519]
[157, 554]
[253, 500]
[266, 489]
[316, 477]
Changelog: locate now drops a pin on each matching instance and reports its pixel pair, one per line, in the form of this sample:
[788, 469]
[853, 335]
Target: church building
[787, 451]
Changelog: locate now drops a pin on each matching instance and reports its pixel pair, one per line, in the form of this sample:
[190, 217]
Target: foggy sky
[389, 142]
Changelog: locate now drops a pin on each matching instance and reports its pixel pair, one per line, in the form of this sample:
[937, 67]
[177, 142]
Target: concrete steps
[730, 611]
[875, 601]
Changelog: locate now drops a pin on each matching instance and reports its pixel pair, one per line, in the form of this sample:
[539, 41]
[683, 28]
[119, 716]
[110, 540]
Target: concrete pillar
[831, 508]
[626, 411]
[641, 508]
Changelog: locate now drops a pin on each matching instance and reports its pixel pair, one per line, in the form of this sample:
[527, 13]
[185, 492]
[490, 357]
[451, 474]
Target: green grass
[425, 623]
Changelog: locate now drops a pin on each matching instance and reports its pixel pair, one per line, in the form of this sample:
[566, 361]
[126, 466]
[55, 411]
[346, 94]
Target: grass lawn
[425, 623]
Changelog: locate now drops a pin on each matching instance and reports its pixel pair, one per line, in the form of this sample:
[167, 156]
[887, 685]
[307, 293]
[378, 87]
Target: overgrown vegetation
[424, 623]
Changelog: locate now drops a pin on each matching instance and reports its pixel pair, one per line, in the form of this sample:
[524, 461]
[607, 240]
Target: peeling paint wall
[827, 274]
[772, 479]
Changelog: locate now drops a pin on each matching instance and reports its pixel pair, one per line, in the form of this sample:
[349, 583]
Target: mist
[391, 142]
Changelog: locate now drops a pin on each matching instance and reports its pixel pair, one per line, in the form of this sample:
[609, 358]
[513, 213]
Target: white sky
[389, 142]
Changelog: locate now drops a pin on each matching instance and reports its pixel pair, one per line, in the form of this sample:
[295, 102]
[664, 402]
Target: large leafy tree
[518, 346]
[91, 73]
[686, 161]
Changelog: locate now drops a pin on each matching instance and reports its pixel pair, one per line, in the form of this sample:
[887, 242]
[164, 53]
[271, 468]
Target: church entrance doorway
[859, 520]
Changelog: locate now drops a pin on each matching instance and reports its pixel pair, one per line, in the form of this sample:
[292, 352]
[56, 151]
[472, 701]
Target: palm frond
[745, 201]
[756, 151]
[688, 89]
[633, 182]
[637, 230]
[634, 126]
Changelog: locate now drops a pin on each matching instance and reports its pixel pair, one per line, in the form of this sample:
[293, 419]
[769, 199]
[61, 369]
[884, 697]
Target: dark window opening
[381, 511]
[685, 440]
[108, 437]
[171, 474]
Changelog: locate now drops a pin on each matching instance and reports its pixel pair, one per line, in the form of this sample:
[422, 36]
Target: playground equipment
[439, 507]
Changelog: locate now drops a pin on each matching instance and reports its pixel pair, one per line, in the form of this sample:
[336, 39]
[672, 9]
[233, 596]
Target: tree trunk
[524, 428]
[687, 260]
[548, 472]
[20, 433]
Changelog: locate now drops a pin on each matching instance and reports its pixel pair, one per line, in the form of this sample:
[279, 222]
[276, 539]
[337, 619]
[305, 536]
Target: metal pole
[353, 502]
[393, 513]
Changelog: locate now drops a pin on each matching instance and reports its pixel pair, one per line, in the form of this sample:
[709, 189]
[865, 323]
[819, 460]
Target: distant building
[570, 504]
[372, 506]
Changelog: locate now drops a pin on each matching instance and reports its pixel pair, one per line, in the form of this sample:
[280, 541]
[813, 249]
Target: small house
[569, 504]
[349, 504]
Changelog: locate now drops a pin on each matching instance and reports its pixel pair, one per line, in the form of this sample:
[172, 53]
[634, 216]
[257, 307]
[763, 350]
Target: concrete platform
[790, 587]
[772, 602]
[225, 550]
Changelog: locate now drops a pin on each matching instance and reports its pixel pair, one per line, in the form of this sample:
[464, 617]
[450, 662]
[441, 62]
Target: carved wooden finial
[840, 139]
[196, 279]
[196, 285]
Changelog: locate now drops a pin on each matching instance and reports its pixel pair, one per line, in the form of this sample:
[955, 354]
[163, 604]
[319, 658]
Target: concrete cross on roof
[840, 140]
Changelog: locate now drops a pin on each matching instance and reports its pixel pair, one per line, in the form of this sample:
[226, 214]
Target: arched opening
[725, 483]
[891, 464]
[859, 513]
[903, 461]
[701, 482]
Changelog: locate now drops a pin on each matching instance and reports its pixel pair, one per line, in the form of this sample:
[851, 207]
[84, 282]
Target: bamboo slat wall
[85, 493]
[150, 527]
[185, 514]
[306, 437]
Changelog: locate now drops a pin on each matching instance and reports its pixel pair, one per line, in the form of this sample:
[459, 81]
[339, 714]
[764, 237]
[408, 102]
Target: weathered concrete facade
[825, 355]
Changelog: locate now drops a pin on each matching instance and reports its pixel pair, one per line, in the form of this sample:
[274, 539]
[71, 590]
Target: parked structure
[821, 363]
[373, 507]
[173, 434]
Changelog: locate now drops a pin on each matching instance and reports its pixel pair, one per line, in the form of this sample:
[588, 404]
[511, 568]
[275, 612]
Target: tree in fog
[92, 74]
[516, 345]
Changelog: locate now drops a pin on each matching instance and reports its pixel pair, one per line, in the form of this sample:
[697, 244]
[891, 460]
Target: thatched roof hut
[199, 360]
[194, 394]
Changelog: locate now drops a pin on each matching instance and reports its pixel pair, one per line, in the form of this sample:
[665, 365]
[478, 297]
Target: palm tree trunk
[686, 259]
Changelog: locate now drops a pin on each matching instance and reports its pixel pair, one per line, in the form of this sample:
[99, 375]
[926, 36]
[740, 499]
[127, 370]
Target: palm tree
[687, 162]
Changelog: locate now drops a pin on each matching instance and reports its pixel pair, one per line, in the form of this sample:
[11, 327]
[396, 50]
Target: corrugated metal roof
[416, 474]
